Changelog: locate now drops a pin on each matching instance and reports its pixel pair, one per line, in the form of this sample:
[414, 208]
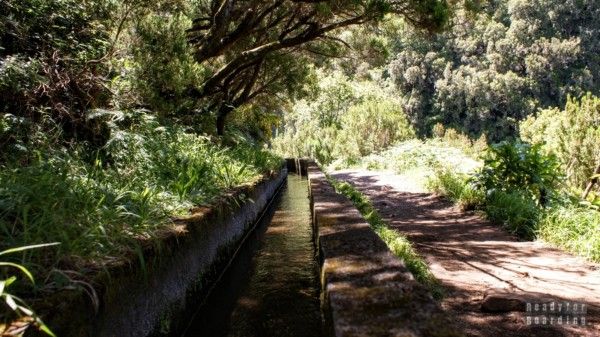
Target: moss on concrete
[369, 291]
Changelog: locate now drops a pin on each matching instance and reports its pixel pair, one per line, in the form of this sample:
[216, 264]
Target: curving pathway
[473, 259]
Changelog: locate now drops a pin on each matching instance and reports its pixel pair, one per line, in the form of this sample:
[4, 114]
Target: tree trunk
[591, 184]
[220, 125]
[224, 110]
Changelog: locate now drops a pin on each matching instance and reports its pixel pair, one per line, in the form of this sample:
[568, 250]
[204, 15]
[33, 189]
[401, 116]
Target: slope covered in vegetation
[117, 115]
[502, 102]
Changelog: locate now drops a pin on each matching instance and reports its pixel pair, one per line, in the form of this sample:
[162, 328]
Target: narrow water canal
[272, 287]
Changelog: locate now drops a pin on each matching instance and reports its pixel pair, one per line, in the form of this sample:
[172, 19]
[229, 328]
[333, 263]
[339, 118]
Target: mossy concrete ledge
[152, 293]
[366, 290]
[298, 165]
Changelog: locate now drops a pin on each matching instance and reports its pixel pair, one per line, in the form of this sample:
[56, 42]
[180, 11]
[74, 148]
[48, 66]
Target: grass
[512, 210]
[18, 308]
[573, 228]
[101, 209]
[422, 155]
[569, 226]
[398, 244]
[515, 211]
[456, 187]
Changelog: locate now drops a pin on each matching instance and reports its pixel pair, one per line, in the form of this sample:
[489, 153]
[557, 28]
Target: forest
[118, 116]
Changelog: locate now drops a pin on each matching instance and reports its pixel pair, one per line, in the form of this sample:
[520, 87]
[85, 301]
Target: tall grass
[398, 244]
[456, 187]
[573, 228]
[100, 210]
[564, 223]
[515, 211]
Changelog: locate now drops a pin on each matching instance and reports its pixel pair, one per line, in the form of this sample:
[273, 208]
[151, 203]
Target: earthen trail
[473, 258]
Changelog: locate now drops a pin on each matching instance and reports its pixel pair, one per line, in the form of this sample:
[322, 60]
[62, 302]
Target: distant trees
[497, 66]
[344, 122]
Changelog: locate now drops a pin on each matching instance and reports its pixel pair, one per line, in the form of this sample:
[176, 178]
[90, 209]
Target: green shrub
[572, 134]
[518, 166]
[161, 73]
[375, 124]
[573, 228]
[345, 122]
[517, 179]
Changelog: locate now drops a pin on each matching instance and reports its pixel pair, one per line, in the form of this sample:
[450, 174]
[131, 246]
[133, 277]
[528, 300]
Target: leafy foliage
[519, 166]
[457, 187]
[345, 122]
[162, 67]
[574, 228]
[50, 73]
[496, 65]
[14, 303]
[150, 172]
[572, 134]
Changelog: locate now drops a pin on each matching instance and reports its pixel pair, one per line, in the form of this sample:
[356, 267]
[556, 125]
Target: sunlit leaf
[20, 267]
[20, 249]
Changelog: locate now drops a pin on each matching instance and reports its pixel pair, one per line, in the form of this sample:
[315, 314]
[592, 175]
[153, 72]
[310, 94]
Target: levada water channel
[271, 287]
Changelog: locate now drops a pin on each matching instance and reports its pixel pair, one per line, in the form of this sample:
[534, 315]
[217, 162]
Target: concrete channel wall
[136, 301]
[366, 290]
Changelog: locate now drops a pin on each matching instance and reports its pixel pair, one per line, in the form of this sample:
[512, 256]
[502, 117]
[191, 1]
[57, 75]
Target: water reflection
[271, 289]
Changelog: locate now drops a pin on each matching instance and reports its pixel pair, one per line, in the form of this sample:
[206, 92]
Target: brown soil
[473, 258]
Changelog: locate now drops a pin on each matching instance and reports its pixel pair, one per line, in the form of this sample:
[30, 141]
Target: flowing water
[271, 287]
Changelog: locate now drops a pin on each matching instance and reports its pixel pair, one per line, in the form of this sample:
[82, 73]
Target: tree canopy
[184, 57]
[244, 41]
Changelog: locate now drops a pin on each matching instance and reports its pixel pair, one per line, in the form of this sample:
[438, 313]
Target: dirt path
[473, 258]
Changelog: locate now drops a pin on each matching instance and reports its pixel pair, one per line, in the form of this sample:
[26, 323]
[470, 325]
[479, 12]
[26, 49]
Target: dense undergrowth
[100, 209]
[564, 222]
[113, 114]
[398, 244]
[522, 187]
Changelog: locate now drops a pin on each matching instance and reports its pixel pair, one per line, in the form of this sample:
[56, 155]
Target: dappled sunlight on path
[472, 257]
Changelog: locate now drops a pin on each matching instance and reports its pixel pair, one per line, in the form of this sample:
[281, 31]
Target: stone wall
[366, 290]
[149, 294]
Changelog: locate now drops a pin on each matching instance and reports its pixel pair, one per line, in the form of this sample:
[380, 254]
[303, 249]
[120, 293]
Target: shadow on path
[471, 257]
